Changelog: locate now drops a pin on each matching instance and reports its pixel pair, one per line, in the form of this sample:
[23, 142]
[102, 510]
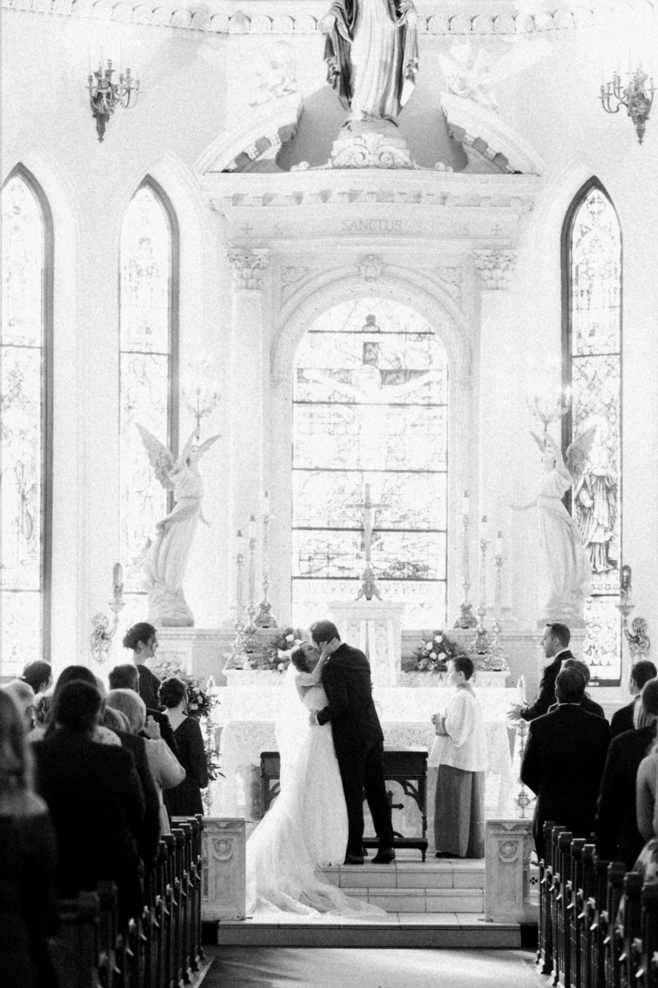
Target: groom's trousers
[363, 768]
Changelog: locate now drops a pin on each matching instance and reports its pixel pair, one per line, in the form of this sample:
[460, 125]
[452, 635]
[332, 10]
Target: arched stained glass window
[370, 415]
[148, 320]
[592, 268]
[26, 357]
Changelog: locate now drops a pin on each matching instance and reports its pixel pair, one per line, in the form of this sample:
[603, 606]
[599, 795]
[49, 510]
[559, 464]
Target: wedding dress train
[306, 827]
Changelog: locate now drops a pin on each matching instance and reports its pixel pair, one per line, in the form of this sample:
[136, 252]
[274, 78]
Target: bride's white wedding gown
[306, 827]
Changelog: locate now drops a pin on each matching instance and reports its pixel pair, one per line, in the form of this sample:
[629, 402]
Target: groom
[358, 741]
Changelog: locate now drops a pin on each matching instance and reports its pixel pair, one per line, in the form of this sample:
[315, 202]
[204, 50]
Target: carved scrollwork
[452, 279]
[508, 851]
[495, 268]
[371, 267]
[247, 267]
[222, 848]
[291, 280]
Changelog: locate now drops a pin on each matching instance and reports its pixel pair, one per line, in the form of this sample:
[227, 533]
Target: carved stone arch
[330, 288]
[264, 131]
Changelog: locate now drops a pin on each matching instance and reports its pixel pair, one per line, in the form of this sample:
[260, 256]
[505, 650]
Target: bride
[306, 828]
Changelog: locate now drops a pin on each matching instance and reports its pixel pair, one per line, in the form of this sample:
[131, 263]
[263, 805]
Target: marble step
[433, 875]
[422, 900]
[429, 930]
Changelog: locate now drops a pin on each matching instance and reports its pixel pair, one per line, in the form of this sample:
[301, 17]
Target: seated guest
[23, 696]
[102, 734]
[555, 644]
[641, 673]
[617, 834]
[126, 677]
[142, 638]
[38, 675]
[165, 769]
[564, 761]
[460, 751]
[95, 800]
[185, 799]
[588, 704]
[28, 862]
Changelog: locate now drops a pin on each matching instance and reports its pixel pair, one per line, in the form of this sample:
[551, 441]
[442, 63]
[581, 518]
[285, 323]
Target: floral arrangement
[278, 657]
[200, 701]
[433, 654]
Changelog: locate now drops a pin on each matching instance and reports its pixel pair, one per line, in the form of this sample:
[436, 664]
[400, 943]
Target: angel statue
[567, 561]
[168, 554]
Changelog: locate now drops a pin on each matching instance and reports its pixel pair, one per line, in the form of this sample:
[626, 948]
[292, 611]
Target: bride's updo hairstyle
[172, 692]
[298, 657]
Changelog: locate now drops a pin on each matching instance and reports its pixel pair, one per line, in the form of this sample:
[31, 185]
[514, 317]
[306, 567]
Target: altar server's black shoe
[384, 856]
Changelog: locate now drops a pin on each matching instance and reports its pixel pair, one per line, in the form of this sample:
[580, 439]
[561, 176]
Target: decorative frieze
[247, 267]
[495, 268]
[371, 267]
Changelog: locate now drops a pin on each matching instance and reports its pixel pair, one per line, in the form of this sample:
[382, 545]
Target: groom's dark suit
[359, 743]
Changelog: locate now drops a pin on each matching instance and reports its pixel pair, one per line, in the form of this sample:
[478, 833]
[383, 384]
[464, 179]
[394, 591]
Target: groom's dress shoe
[353, 859]
[385, 856]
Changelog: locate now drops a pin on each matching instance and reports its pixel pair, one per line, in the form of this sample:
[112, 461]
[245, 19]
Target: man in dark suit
[622, 720]
[126, 677]
[358, 740]
[588, 704]
[556, 647]
[564, 761]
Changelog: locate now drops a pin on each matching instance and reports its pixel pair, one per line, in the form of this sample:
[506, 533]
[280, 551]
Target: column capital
[495, 268]
[247, 266]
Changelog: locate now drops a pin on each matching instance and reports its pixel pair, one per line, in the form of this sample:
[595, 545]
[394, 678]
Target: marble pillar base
[224, 862]
[507, 895]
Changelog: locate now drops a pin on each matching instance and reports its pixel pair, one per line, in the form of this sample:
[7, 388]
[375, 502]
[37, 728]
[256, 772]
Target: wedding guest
[617, 835]
[23, 696]
[38, 674]
[126, 677]
[185, 799]
[460, 750]
[95, 800]
[622, 719]
[645, 787]
[102, 735]
[142, 638]
[28, 853]
[587, 703]
[165, 770]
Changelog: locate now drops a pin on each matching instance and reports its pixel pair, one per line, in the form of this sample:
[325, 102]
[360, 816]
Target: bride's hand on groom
[329, 648]
[312, 718]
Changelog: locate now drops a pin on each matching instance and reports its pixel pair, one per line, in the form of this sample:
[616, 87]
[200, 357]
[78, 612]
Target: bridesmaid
[142, 639]
[185, 799]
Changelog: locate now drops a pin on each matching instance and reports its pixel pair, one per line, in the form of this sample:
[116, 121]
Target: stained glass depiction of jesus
[370, 407]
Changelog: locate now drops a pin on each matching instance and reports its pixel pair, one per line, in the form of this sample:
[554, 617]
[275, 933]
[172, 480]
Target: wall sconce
[102, 635]
[638, 639]
[105, 95]
[637, 97]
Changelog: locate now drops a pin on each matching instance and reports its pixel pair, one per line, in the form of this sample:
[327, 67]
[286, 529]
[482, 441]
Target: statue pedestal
[375, 627]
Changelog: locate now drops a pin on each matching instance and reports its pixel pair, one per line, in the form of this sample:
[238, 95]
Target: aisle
[267, 967]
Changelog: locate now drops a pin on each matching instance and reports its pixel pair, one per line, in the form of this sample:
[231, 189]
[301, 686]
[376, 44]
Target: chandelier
[105, 95]
[637, 97]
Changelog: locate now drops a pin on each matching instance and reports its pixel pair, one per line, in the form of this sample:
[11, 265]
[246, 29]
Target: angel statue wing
[205, 446]
[160, 458]
[578, 452]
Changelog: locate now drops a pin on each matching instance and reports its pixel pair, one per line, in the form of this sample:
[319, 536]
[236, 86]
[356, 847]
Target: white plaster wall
[193, 84]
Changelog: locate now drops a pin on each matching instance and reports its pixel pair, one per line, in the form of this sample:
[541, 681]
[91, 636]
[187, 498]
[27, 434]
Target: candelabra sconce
[105, 95]
[523, 798]
[200, 391]
[103, 633]
[638, 641]
[549, 409]
[265, 618]
[496, 652]
[466, 617]
[636, 96]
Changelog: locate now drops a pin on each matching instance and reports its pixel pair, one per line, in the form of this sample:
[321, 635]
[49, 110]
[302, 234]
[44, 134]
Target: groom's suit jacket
[346, 681]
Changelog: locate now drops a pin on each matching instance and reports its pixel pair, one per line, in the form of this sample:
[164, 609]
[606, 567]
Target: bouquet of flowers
[433, 654]
[278, 657]
[200, 701]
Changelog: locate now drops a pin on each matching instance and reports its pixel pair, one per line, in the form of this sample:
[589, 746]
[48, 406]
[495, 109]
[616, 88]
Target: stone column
[224, 887]
[248, 388]
[507, 898]
[500, 380]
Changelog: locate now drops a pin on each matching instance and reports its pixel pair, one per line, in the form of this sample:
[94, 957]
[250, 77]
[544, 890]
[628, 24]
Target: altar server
[460, 751]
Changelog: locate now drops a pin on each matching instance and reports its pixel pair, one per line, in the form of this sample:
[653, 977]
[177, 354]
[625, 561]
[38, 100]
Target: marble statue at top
[372, 56]
[568, 566]
[168, 554]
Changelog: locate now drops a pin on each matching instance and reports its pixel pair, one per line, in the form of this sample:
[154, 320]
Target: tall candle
[483, 529]
[252, 527]
[499, 544]
[625, 577]
[266, 504]
[466, 505]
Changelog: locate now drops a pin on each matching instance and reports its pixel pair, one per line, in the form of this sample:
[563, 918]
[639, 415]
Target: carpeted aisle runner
[283, 967]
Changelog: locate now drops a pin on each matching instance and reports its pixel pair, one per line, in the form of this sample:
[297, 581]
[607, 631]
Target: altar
[247, 714]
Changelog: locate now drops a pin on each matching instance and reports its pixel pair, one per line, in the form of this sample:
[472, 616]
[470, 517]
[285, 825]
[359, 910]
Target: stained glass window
[592, 248]
[26, 421]
[370, 409]
[147, 316]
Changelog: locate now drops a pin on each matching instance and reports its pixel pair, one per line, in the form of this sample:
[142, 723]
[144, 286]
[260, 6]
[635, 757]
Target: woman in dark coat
[95, 800]
[185, 799]
[28, 856]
